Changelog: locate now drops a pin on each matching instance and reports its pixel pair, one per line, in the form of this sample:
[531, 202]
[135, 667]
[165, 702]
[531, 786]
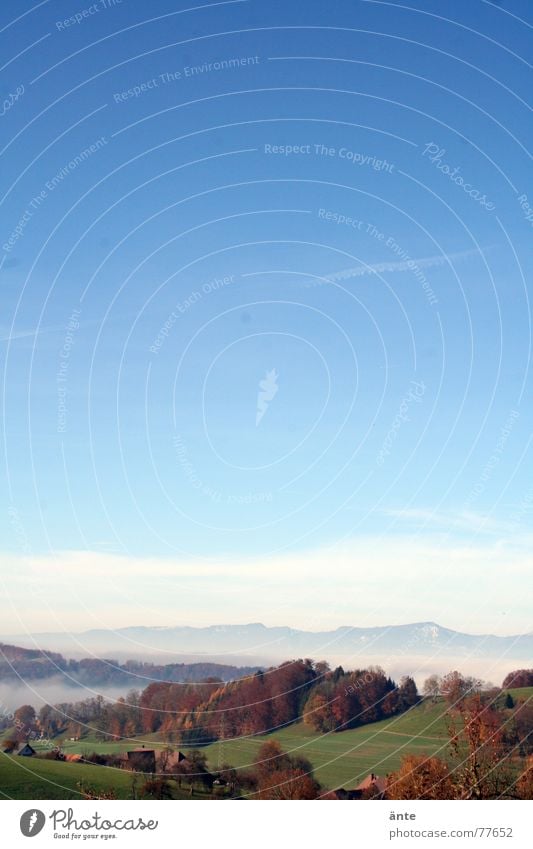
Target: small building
[27, 751]
[142, 760]
[174, 760]
[341, 793]
[372, 787]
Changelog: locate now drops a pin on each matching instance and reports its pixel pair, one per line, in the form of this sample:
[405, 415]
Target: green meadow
[343, 759]
[339, 759]
[35, 778]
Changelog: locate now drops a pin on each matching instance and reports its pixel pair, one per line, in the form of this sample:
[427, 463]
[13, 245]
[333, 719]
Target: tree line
[202, 712]
[35, 664]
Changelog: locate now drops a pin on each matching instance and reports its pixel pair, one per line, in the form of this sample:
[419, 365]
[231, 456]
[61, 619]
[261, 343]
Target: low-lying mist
[54, 690]
[419, 668]
[50, 691]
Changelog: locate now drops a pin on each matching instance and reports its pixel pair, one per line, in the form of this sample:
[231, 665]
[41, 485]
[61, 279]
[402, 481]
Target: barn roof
[371, 781]
[142, 759]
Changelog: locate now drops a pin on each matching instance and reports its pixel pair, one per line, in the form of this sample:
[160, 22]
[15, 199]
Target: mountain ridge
[417, 638]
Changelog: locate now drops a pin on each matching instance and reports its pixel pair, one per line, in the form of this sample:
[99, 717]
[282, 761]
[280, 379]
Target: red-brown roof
[372, 781]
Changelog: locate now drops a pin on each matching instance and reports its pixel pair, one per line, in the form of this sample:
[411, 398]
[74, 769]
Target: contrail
[406, 264]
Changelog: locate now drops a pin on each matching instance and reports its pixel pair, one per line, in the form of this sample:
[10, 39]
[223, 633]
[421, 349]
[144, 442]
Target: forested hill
[34, 664]
[198, 713]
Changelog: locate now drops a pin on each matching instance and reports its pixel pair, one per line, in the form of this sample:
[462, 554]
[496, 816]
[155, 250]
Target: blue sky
[319, 212]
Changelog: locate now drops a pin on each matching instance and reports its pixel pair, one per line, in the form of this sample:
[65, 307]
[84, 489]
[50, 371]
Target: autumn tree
[520, 729]
[407, 694]
[288, 784]
[431, 687]
[156, 788]
[230, 775]
[24, 721]
[164, 758]
[456, 687]
[322, 669]
[194, 769]
[421, 777]
[25, 715]
[477, 745]
[317, 713]
[270, 758]
[479, 749]
[518, 678]
[283, 776]
[524, 785]
[347, 700]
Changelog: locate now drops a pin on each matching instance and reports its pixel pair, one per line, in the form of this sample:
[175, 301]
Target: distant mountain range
[255, 643]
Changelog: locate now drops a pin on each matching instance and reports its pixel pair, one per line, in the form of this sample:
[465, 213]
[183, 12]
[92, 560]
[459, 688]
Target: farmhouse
[174, 760]
[341, 793]
[372, 787]
[142, 760]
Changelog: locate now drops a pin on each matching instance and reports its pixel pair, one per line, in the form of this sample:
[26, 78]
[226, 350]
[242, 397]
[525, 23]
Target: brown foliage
[480, 746]
[518, 678]
[477, 744]
[282, 776]
[456, 688]
[524, 787]
[90, 792]
[420, 777]
[348, 700]
[288, 784]
[156, 788]
[522, 717]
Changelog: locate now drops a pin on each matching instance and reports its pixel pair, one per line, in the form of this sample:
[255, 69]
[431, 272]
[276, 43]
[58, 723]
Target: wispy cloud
[463, 584]
[453, 520]
[7, 335]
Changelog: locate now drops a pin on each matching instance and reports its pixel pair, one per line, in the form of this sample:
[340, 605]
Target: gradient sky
[295, 213]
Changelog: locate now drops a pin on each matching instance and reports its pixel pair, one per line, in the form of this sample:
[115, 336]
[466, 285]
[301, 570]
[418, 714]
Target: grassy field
[35, 778]
[521, 693]
[344, 759]
[32, 778]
